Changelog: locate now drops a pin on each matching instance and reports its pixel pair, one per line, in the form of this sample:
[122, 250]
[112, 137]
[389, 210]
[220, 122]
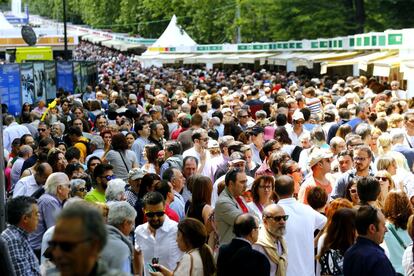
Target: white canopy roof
[174, 36]
[4, 23]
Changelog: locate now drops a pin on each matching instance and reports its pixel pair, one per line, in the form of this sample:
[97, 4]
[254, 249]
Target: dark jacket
[407, 152]
[367, 258]
[239, 258]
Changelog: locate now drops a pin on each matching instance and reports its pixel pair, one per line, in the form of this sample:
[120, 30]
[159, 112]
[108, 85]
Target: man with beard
[155, 241]
[271, 242]
[102, 174]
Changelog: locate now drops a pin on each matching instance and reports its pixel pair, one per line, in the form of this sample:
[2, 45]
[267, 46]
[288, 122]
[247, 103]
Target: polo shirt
[95, 196]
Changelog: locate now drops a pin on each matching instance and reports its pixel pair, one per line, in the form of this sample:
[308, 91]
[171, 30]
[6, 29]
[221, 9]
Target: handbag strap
[400, 241]
[126, 167]
[191, 264]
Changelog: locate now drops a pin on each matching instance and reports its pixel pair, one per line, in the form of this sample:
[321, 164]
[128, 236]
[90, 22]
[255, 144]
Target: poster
[77, 78]
[50, 80]
[89, 74]
[64, 75]
[10, 88]
[39, 81]
[27, 81]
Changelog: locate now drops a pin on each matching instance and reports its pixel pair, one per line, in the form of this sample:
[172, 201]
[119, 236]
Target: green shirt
[95, 196]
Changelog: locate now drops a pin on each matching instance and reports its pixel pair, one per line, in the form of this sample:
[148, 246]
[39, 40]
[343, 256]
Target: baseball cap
[297, 115]
[317, 155]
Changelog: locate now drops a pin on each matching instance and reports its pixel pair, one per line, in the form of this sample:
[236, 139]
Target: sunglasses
[41, 129]
[381, 178]
[65, 246]
[109, 177]
[353, 191]
[279, 218]
[153, 214]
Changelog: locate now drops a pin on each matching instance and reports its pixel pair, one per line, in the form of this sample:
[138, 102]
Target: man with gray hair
[337, 145]
[24, 153]
[57, 131]
[12, 131]
[398, 137]
[271, 241]
[57, 188]
[118, 252]
[397, 92]
[97, 146]
[115, 190]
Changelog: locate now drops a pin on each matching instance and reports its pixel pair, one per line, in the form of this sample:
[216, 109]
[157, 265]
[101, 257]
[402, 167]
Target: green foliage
[214, 21]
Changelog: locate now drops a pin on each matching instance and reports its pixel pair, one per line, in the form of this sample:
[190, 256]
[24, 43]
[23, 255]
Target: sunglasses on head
[153, 214]
[279, 218]
[65, 246]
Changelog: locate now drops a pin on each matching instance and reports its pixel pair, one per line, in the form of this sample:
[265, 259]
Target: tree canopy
[215, 21]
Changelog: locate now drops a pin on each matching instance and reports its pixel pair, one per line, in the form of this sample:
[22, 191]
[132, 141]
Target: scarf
[268, 243]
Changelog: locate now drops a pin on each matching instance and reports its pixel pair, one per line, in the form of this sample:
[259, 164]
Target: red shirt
[171, 213]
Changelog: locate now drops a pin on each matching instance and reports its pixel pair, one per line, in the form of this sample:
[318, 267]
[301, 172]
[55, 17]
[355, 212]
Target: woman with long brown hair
[198, 258]
[340, 235]
[263, 191]
[397, 209]
[200, 204]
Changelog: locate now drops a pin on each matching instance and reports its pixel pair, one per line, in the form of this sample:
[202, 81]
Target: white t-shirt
[300, 228]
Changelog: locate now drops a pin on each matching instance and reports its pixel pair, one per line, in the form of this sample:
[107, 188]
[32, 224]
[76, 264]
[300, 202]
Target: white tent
[4, 23]
[173, 36]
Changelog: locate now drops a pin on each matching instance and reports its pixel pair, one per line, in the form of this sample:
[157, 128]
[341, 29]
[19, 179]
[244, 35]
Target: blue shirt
[138, 148]
[22, 256]
[367, 258]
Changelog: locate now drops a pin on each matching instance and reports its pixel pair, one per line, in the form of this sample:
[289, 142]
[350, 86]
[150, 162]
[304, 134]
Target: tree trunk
[360, 15]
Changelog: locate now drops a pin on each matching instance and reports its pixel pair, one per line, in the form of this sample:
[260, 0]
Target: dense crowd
[189, 171]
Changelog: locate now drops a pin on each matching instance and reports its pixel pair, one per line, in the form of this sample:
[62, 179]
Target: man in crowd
[230, 204]
[190, 165]
[157, 135]
[143, 131]
[57, 131]
[78, 141]
[238, 257]
[26, 186]
[25, 151]
[172, 156]
[366, 257]
[177, 180]
[199, 150]
[303, 222]
[12, 131]
[22, 219]
[271, 241]
[44, 130]
[102, 174]
[157, 237]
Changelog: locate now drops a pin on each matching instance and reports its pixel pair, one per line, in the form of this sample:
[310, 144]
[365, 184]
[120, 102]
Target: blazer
[226, 212]
[239, 258]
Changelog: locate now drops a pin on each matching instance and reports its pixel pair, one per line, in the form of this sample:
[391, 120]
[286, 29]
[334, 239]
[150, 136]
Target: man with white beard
[271, 242]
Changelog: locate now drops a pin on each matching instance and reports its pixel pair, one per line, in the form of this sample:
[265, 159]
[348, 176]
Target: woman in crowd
[281, 135]
[339, 236]
[292, 169]
[397, 210]
[387, 184]
[62, 147]
[107, 138]
[148, 183]
[198, 258]
[57, 160]
[351, 192]
[262, 191]
[130, 137]
[389, 164]
[120, 157]
[78, 188]
[151, 156]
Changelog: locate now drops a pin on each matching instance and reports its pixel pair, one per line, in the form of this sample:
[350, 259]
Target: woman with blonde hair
[401, 177]
[386, 183]
[396, 121]
[384, 145]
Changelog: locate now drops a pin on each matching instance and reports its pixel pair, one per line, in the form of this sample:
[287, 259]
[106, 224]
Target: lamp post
[65, 34]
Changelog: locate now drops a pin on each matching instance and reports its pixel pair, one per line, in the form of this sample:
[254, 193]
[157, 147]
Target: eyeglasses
[108, 177]
[297, 170]
[244, 116]
[83, 189]
[41, 129]
[153, 214]
[299, 122]
[360, 158]
[65, 246]
[265, 187]
[353, 191]
[381, 178]
[204, 139]
[279, 218]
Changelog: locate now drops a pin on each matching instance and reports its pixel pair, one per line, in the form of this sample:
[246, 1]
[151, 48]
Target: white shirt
[300, 227]
[163, 245]
[294, 137]
[12, 132]
[26, 186]
[16, 171]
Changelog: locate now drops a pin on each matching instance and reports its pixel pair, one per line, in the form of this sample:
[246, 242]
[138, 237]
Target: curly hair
[397, 208]
[334, 205]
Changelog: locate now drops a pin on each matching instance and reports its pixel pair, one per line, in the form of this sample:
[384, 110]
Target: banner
[50, 71]
[27, 80]
[10, 88]
[64, 75]
[39, 81]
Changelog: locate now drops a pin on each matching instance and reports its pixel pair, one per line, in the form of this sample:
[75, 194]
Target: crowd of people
[186, 171]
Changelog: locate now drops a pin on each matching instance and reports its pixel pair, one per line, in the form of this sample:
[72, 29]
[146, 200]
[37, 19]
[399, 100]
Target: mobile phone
[151, 268]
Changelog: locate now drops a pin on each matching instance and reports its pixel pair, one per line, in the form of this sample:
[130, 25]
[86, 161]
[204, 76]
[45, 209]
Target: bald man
[270, 241]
